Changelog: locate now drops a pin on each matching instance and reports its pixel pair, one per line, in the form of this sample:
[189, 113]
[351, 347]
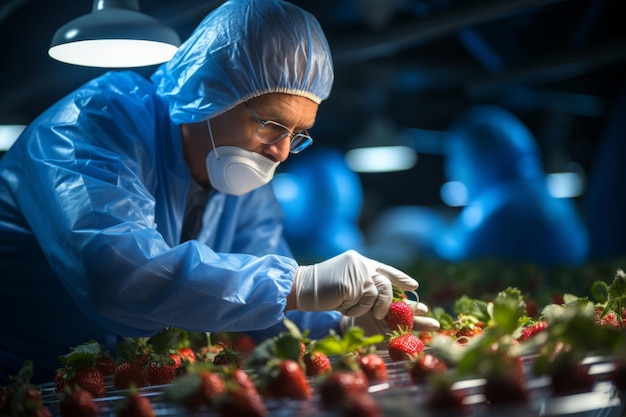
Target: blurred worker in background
[509, 214]
[605, 201]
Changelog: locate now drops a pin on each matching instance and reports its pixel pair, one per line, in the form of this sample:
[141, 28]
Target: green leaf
[287, 347]
[600, 291]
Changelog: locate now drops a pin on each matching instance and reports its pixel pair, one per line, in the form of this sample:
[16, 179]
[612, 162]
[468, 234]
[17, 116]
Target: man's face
[238, 126]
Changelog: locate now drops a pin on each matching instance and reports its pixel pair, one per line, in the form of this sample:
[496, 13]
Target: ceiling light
[381, 159]
[8, 135]
[114, 35]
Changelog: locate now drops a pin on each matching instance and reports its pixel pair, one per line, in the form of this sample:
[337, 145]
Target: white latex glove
[349, 283]
[372, 326]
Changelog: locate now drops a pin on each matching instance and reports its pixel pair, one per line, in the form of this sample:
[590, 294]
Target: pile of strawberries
[478, 339]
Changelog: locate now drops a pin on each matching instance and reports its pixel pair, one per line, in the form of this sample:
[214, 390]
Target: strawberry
[244, 344]
[504, 387]
[130, 372]
[404, 346]
[373, 366]
[239, 401]
[81, 370]
[532, 329]
[442, 398]
[618, 375]
[178, 361]
[570, 378]
[228, 357]
[400, 316]
[161, 370]
[59, 380]
[360, 405]
[21, 398]
[134, 405]
[89, 378]
[610, 318]
[78, 403]
[302, 349]
[106, 364]
[187, 354]
[197, 388]
[340, 383]
[287, 380]
[424, 366]
[316, 363]
[240, 378]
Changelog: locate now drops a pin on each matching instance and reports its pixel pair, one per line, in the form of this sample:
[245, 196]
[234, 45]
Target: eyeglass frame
[307, 141]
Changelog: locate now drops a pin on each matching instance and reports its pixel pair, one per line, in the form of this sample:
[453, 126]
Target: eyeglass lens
[270, 132]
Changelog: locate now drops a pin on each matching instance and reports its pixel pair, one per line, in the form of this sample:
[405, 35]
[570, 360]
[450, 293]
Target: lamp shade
[114, 37]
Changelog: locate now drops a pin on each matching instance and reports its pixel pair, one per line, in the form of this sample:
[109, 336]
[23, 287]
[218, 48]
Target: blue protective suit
[95, 193]
[510, 215]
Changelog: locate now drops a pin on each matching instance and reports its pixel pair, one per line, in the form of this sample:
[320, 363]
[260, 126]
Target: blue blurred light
[454, 193]
[565, 184]
[286, 187]
[381, 159]
[9, 134]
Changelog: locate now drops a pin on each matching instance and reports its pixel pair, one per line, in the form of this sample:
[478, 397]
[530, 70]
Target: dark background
[558, 65]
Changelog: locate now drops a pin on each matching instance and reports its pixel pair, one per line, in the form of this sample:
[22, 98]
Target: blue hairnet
[243, 49]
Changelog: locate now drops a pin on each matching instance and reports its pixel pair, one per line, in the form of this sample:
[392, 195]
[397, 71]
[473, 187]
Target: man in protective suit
[136, 204]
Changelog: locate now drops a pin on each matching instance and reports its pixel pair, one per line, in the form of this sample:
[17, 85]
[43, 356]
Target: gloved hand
[349, 283]
[371, 325]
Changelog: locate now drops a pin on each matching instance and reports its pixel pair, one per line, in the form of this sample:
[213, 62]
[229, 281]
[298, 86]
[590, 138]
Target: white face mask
[237, 171]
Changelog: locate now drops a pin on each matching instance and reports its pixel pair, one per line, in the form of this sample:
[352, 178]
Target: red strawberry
[178, 360]
[130, 372]
[404, 346]
[161, 371]
[302, 350]
[618, 375]
[228, 357]
[244, 344]
[187, 354]
[532, 330]
[442, 397]
[78, 403]
[608, 319]
[289, 381]
[317, 363]
[424, 366]
[341, 383]
[239, 401]
[134, 405]
[195, 389]
[89, 378]
[503, 387]
[360, 405]
[570, 378]
[106, 364]
[59, 380]
[21, 398]
[400, 316]
[373, 366]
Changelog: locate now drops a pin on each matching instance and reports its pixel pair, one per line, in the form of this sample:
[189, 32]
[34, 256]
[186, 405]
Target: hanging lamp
[114, 35]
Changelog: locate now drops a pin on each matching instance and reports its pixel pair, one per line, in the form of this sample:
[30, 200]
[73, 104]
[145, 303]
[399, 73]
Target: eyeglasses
[270, 132]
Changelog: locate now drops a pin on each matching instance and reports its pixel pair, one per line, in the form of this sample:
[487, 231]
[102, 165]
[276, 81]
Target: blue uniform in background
[510, 215]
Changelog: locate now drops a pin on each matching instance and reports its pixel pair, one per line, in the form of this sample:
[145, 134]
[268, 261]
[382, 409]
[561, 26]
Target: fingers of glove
[419, 309]
[368, 322]
[397, 277]
[360, 302]
[425, 324]
[385, 296]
